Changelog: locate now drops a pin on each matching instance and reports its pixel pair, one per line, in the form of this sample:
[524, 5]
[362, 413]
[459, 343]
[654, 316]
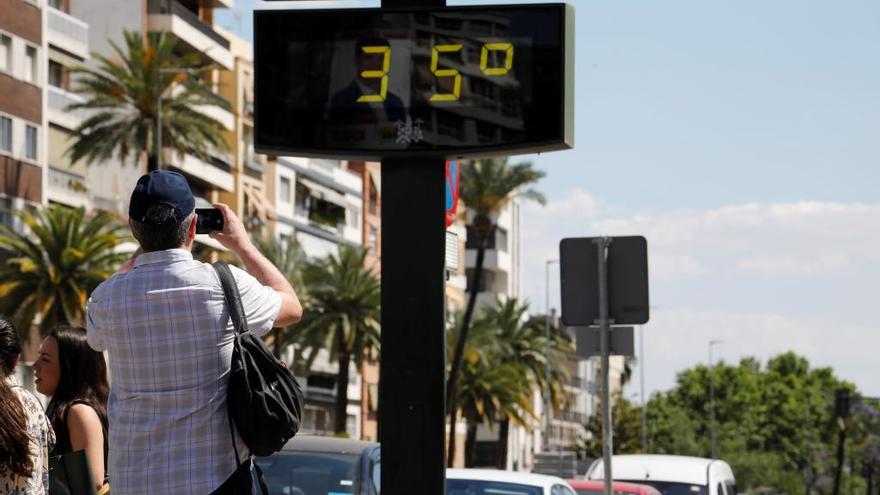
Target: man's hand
[234, 235]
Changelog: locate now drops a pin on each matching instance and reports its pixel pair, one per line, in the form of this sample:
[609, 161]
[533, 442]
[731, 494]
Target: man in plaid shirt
[164, 321]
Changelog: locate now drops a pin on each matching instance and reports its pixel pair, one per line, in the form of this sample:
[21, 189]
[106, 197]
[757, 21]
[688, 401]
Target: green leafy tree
[775, 424]
[342, 317]
[626, 431]
[487, 186]
[121, 96]
[50, 271]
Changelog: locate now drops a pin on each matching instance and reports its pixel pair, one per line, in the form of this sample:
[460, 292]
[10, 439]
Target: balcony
[216, 172]
[59, 100]
[67, 33]
[218, 113]
[495, 260]
[67, 188]
[169, 15]
[572, 417]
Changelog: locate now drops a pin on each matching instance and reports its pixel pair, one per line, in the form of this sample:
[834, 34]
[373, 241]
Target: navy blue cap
[161, 187]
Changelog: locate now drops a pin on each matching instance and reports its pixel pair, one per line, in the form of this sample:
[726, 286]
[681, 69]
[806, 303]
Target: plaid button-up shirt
[169, 337]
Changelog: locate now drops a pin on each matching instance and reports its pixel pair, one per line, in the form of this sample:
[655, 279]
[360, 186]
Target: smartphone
[208, 220]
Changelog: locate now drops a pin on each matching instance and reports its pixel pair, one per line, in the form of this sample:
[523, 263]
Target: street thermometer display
[379, 83]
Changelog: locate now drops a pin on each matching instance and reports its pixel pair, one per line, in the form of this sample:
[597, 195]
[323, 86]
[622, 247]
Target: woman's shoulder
[83, 413]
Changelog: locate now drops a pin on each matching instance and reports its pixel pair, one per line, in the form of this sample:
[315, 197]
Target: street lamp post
[642, 388]
[547, 356]
[712, 398]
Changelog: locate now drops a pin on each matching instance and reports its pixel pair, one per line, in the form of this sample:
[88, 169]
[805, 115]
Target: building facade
[251, 172]
[22, 105]
[370, 173]
[68, 47]
[319, 203]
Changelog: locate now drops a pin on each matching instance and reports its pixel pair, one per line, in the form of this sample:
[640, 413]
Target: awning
[63, 58]
[324, 192]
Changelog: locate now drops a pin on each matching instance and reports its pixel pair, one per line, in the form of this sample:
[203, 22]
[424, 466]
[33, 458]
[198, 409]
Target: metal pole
[604, 329]
[713, 452]
[547, 420]
[642, 385]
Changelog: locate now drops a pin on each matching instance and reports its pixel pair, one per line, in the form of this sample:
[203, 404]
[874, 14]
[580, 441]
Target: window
[5, 134]
[374, 199]
[487, 280]
[284, 191]
[501, 239]
[5, 53]
[373, 239]
[473, 242]
[56, 74]
[30, 145]
[30, 64]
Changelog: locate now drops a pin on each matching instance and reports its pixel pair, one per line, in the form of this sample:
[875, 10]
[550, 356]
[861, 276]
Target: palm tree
[290, 260]
[343, 317]
[489, 391]
[121, 98]
[51, 272]
[487, 186]
[523, 341]
[490, 387]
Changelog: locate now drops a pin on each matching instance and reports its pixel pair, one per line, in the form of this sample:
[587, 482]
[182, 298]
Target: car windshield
[310, 473]
[482, 487]
[674, 488]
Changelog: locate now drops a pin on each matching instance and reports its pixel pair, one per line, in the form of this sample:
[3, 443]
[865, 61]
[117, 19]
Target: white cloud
[678, 339]
[765, 278]
[772, 265]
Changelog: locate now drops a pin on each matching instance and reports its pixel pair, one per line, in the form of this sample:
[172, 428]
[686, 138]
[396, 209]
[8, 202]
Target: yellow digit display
[375, 74]
[499, 47]
[435, 58]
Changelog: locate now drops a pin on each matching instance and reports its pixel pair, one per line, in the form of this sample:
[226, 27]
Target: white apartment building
[501, 278]
[320, 204]
[67, 39]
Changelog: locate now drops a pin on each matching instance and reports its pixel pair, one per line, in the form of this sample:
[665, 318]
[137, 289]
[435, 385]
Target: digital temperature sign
[378, 83]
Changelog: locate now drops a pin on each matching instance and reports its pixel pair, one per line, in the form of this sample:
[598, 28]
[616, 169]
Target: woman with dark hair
[25, 434]
[75, 376]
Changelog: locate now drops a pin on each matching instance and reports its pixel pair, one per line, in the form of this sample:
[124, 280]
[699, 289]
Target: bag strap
[232, 295]
[239, 322]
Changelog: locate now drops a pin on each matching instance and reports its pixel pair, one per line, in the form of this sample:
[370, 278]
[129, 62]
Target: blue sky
[743, 140]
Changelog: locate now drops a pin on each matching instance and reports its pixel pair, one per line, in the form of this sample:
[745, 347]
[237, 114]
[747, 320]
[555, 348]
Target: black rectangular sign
[378, 83]
[627, 280]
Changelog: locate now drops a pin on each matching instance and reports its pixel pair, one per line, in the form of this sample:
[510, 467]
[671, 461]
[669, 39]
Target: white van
[671, 474]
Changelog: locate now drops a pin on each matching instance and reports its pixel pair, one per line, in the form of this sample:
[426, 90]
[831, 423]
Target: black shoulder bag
[263, 399]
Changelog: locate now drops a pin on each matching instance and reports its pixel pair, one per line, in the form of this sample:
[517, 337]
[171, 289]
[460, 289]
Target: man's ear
[191, 231]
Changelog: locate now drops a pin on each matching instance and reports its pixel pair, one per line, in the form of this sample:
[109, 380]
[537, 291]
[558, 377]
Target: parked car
[670, 474]
[312, 465]
[597, 487]
[493, 482]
